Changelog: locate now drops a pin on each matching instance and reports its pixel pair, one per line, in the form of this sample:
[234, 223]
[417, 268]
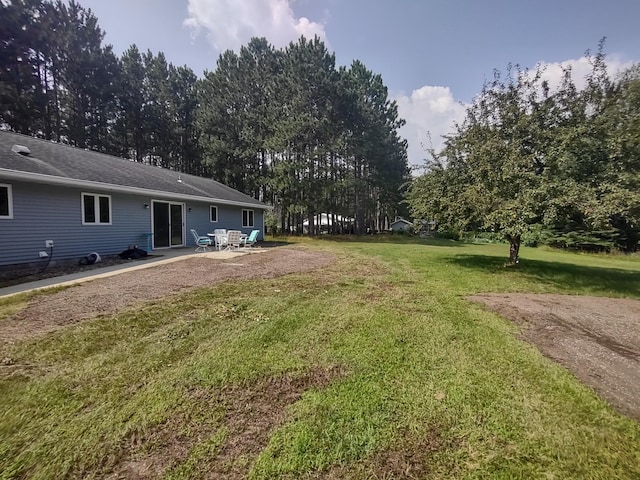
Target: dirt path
[598, 339]
[106, 296]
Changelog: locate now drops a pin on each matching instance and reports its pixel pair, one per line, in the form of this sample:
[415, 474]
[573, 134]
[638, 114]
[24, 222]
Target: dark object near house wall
[133, 254]
[90, 259]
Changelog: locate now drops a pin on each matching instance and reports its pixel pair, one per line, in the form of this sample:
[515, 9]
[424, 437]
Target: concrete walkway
[167, 256]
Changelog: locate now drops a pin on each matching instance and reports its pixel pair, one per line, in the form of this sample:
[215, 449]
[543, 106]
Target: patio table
[218, 239]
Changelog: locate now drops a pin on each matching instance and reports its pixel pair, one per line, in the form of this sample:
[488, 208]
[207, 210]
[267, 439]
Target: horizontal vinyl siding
[229, 217]
[43, 212]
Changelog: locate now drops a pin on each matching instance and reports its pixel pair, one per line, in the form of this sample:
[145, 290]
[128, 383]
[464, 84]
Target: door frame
[182, 206]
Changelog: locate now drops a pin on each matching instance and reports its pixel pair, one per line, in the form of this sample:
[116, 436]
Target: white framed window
[247, 218]
[96, 209]
[6, 201]
[213, 214]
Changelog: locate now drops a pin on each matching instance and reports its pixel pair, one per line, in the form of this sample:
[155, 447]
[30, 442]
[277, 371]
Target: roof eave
[71, 182]
[401, 221]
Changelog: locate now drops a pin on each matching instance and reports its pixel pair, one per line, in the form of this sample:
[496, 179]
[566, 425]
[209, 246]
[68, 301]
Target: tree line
[537, 164]
[286, 125]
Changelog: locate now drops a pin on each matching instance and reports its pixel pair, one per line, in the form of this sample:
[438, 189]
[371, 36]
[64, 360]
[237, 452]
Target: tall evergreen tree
[376, 153]
[131, 123]
[22, 100]
[305, 127]
[157, 110]
[183, 106]
[86, 70]
[283, 125]
[235, 116]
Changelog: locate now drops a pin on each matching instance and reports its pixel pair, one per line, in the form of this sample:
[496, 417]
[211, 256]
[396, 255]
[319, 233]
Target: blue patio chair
[251, 239]
[202, 243]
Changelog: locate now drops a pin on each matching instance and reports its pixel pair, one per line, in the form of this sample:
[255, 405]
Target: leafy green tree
[616, 203]
[497, 163]
[526, 158]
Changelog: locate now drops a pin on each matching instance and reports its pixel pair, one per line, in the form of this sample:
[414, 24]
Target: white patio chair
[202, 243]
[220, 238]
[233, 239]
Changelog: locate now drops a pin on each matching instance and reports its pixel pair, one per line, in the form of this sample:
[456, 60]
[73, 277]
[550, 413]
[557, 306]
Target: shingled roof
[44, 161]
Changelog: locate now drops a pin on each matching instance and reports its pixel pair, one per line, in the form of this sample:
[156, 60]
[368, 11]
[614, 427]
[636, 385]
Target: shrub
[537, 235]
[484, 237]
[597, 241]
[447, 234]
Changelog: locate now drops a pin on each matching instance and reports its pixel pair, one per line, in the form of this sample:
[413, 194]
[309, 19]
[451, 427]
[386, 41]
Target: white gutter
[71, 182]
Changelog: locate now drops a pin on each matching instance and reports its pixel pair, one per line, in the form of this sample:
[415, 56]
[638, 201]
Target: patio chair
[251, 239]
[233, 239]
[202, 243]
[220, 238]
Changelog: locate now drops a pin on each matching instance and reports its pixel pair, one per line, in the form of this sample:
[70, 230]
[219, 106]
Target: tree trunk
[514, 248]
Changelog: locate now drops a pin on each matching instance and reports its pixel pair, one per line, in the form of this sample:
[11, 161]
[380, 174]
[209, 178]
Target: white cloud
[430, 113]
[580, 69]
[229, 24]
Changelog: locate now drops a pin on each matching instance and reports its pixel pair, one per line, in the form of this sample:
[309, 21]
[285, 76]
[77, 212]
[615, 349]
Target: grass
[424, 383]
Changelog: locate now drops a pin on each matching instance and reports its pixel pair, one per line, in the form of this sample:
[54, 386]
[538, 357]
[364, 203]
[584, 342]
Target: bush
[538, 235]
[484, 237]
[447, 235]
[271, 222]
[602, 241]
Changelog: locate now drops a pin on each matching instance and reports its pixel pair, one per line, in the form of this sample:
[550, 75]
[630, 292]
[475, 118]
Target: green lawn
[374, 367]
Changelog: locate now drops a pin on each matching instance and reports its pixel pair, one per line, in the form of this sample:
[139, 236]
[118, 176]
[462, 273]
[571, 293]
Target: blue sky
[433, 55]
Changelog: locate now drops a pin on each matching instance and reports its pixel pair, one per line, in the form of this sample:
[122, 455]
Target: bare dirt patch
[597, 339]
[251, 413]
[107, 296]
[410, 459]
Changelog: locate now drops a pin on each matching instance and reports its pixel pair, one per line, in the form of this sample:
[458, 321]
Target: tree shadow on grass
[279, 242]
[391, 238]
[562, 276]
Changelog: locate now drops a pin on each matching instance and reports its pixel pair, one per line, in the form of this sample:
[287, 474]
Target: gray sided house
[401, 225]
[83, 202]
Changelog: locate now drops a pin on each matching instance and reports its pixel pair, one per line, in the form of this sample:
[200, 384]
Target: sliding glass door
[168, 224]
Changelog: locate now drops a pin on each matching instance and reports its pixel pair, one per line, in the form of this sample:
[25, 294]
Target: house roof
[55, 163]
[401, 220]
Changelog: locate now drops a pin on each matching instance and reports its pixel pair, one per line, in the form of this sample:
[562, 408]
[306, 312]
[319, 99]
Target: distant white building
[325, 221]
[401, 225]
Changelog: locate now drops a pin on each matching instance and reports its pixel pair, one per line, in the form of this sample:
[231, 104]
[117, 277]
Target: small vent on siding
[21, 149]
